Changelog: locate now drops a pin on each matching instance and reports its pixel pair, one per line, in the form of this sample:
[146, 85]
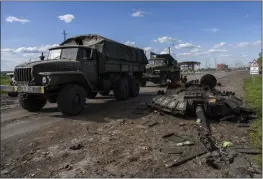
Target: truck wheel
[104, 93]
[143, 83]
[71, 100]
[32, 103]
[122, 91]
[92, 95]
[134, 88]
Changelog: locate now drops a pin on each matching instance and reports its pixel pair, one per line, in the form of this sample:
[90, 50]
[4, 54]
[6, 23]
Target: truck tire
[92, 95]
[31, 103]
[71, 100]
[134, 87]
[104, 93]
[122, 90]
[143, 83]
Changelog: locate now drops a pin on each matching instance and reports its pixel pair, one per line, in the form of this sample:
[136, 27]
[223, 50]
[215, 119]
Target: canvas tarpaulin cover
[109, 48]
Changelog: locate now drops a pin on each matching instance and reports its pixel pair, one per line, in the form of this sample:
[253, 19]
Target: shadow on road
[109, 108]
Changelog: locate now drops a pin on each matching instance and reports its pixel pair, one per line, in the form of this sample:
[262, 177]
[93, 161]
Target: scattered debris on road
[76, 146]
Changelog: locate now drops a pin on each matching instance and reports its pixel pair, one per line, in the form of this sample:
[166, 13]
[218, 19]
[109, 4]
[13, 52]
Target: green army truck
[79, 68]
[160, 68]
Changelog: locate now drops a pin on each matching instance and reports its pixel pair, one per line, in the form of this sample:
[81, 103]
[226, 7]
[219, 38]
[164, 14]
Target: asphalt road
[16, 121]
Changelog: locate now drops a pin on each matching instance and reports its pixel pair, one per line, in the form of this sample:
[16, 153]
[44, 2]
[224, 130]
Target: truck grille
[23, 74]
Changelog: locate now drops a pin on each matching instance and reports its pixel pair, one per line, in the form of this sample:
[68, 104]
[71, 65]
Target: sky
[208, 32]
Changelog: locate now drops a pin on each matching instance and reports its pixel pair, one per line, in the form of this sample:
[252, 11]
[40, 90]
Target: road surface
[115, 141]
[23, 121]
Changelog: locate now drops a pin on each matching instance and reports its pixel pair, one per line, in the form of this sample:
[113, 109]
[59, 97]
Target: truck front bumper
[23, 89]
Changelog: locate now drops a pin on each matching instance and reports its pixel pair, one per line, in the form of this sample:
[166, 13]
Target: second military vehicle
[77, 69]
[161, 67]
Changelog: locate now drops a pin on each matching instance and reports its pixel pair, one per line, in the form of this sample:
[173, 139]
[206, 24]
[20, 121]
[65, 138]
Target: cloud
[220, 45]
[186, 45]
[7, 50]
[212, 30]
[217, 50]
[12, 19]
[246, 44]
[12, 57]
[138, 13]
[28, 50]
[67, 18]
[199, 52]
[129, 43]
[185, 54]
[195, 50]
[148, 49]
[224, 55]
[244, 56]
[166, 39]
[165, 51]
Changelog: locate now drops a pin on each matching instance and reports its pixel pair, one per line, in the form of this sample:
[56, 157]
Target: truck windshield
[151, 61]
[159, 62]
[64, 53]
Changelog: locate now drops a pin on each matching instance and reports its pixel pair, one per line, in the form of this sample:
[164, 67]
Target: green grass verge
[5, 80]
[253, 98]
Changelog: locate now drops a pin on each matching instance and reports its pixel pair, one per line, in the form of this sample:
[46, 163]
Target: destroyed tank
[200, 98]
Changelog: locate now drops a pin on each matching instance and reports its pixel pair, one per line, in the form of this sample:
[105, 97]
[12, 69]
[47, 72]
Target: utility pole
[65, 34]
[169, 48]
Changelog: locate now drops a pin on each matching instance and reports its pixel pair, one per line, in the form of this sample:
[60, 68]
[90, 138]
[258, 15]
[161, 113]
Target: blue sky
[228, 32]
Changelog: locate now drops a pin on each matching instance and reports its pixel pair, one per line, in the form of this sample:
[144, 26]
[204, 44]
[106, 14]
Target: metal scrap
[185, 100]
[248, 151]
[183, 160]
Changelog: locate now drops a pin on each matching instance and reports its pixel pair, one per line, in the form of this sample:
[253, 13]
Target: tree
[259, 60]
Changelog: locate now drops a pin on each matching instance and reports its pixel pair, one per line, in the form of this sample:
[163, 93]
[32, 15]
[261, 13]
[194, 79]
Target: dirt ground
[110, 140]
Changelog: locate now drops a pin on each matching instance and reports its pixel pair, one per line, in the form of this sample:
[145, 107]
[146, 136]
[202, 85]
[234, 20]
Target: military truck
[160, 68]
[79, 68]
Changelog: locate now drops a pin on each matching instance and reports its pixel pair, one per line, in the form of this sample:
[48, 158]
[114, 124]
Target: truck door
[89, 65]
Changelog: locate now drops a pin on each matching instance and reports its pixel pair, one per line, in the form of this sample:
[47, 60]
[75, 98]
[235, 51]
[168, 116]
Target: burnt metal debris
[199, 98]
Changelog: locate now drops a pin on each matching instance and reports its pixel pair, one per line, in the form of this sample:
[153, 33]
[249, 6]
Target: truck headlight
[44, 80]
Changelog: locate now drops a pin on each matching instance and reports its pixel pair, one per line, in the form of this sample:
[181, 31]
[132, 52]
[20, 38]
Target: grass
[5, 80]
[253, 98]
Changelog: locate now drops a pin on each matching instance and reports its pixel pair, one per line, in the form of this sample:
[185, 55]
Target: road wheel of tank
[31, 102]
[104, 93]
[142, 83]
[208, 80]
[12, 94]
[134, 87]
[122, 90]
[92, 95]
[71, 100]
